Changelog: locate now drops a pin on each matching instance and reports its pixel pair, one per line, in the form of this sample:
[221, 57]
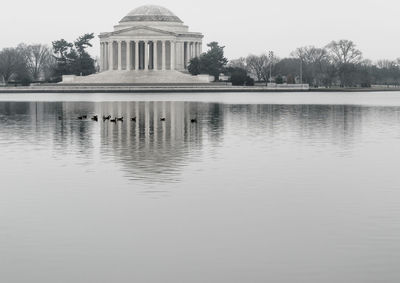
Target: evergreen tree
[212, 62]
[72, 58]
[194, 66]
[84, 63]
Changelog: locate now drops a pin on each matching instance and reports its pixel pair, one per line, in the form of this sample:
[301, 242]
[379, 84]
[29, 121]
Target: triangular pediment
[142, 30]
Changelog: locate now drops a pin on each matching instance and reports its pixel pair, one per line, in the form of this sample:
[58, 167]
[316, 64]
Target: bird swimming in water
[106, 117]
[120, 119]
[113, 120]
[162, 119]
[133, 119]
[95, 118]
[193, 120]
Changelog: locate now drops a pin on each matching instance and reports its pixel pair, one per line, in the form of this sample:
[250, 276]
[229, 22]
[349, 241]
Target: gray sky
[244, 27]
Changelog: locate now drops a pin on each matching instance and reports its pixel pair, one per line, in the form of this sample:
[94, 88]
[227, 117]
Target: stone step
[139, 77]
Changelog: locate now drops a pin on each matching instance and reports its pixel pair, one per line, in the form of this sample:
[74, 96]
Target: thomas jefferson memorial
[149, 45]
[149, 38]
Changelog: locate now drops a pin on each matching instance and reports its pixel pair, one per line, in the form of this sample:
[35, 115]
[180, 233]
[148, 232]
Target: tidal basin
[290, 187]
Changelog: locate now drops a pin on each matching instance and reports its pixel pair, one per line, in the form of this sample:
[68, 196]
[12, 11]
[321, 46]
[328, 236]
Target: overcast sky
[244, 27]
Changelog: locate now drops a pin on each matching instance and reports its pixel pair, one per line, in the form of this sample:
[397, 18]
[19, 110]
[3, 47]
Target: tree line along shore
[339, 64]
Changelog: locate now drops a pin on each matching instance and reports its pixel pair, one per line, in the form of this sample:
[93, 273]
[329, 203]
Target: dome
[151, 13]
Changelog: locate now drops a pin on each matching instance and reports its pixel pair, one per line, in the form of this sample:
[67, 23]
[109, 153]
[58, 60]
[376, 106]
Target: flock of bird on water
[118, 119]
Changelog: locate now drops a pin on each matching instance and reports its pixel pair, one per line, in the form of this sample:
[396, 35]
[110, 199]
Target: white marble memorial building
[149, 38]
[149, 45]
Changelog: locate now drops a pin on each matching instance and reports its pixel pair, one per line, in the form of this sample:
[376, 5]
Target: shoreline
[370, 98]
[175, 89]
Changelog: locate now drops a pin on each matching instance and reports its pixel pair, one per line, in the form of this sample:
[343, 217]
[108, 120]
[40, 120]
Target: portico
[147, 54]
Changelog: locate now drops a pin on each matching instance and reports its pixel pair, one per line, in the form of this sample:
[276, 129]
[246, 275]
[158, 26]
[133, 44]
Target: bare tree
[269, 65]
[367, 62]
[313, 62]
[256, 65]
[311, 54]
[238, 63]
[386, 64]
[346, 59]
[38, 59]
[12, 63]
[344, 52]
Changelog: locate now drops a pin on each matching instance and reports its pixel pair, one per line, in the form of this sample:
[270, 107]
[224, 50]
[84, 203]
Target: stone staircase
[139, 77]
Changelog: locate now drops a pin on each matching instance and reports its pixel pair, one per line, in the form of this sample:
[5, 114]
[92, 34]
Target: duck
[133, 119]
[95, 118]
[113, 120]
[120, 119]
[106, 117]
[83, 117]
[162, 119]
[193, 120]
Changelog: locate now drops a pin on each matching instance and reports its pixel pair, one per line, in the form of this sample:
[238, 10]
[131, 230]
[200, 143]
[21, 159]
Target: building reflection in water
[156, 151]
[151, 149]
[147, 149]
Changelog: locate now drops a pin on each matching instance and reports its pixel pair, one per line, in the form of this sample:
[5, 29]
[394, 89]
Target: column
[163, 56]
[111, 55]
[119, 55]
[155, 55]
[184, 54]
[136, 55]
[146, 55]
[106, 56]
[151, 55]
[101, 56]
[187, 54]
[128, 55]
[172, 55]
[180, 53]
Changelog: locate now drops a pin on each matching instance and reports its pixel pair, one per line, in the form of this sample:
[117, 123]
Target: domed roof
[151, 13]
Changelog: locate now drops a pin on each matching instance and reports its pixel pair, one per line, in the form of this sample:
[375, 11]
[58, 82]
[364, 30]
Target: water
[264, 188]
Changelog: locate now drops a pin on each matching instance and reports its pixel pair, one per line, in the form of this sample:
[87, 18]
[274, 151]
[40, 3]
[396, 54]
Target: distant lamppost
[271, 57]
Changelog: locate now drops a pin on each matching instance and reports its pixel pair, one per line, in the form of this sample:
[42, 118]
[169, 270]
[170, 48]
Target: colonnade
[147, 54]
